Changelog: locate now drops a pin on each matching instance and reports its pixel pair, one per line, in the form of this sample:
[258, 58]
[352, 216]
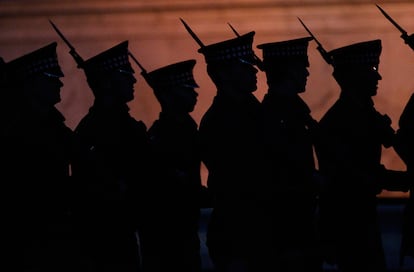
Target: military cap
[236, 48]
[41, 61]
[296, 48]
[173, 75]
[115, 58]
[359, 54]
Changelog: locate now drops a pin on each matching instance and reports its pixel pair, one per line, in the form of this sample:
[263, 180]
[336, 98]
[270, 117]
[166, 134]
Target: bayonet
[234, 30]
[72, 51]
[200, 43]
[403, 32]
[320, 48]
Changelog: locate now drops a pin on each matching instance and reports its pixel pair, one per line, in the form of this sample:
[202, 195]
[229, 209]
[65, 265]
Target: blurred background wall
[157, 38]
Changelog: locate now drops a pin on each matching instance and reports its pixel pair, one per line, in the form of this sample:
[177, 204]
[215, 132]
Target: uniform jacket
[110, 166]
[231, 136]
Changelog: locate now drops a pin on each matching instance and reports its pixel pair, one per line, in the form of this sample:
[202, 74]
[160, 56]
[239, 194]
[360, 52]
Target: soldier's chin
[191, 109]
[301, 90]
[374, 92]
[129, 99]
[253, 88]
[57, 100]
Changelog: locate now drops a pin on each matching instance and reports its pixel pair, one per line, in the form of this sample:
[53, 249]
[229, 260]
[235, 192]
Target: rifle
[72, 51]
[407, 39]
[187, 27]
[259, 62]
[143, 71]
[320, 48]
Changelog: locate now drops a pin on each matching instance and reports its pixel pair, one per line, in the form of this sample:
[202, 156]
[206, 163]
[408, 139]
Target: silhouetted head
[231, 64]
[286, 64]
[110, 75]
[174, 85]
[37, 76]
[356, 67]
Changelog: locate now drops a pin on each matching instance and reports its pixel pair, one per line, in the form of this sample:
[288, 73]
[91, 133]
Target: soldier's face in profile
[368, 77]
[184, 98]
[233, 77]
[245, 73]
[298, 76]
[124, 82]
[360, 80]
[289, 77]
[45, 89]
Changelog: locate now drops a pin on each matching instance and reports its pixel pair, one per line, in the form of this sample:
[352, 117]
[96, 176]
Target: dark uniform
[110, 165]
[38, 148]
[289, 129]
[231, 137]
[404, 146]
[170, 239]
[352, 134]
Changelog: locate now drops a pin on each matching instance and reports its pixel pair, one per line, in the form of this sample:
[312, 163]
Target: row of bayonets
[79, 60]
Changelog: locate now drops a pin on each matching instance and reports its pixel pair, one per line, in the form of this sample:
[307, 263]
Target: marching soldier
[289, 134]
[231, 136]
[404, 146]
[38, 152]
[352, 134]
[111, 164]
[169, 239]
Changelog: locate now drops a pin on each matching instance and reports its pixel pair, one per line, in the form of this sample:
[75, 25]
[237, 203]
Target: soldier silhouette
[110, 165]
[352, 134]
[404, 146]
[38, 152]
[169, 238]
[231, 137]
[289, 132]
